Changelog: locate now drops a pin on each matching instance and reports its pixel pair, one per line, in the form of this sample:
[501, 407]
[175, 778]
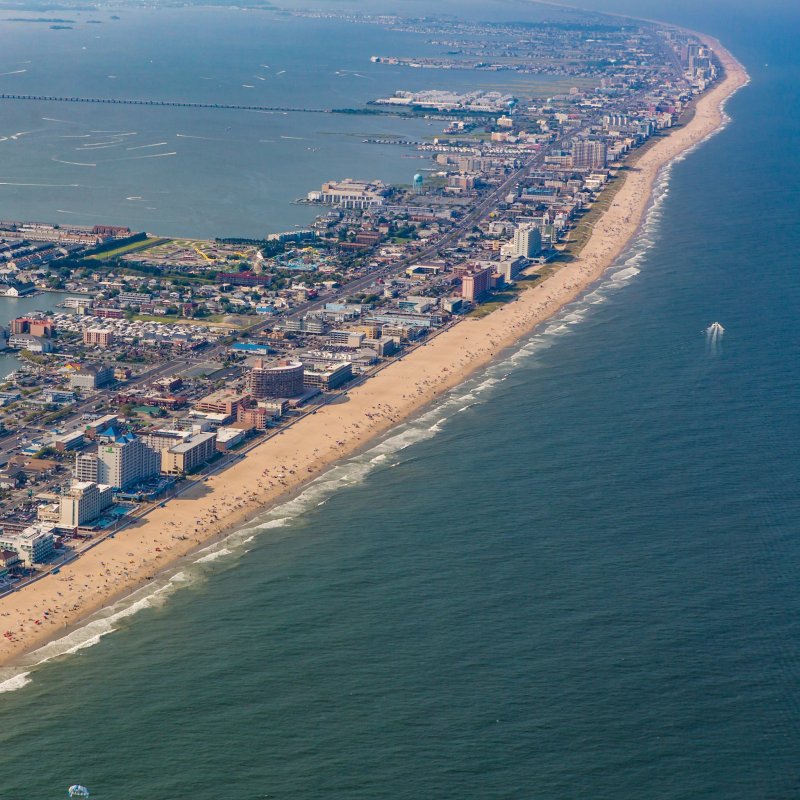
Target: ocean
[575, 577]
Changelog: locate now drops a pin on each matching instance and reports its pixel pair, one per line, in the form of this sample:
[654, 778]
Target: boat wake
[714, 333]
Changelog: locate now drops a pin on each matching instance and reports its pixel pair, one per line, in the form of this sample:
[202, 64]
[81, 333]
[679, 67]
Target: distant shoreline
[283, 466]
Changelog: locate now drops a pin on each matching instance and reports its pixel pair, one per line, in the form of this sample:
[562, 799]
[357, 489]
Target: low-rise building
[33, 344]
[9, 561]
[68, 441]
[350, 193]
[34, 545]
[107, 427]
[225, 401]
[228, 438]
[91, 376]
[328, 377]
[11, 477]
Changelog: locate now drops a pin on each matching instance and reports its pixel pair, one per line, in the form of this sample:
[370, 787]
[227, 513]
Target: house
[11, 477]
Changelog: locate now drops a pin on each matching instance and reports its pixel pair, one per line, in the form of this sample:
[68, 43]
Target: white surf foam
[224, 551]
[16, 681]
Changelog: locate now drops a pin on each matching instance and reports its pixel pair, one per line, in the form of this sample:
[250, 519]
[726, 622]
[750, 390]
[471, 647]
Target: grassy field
[145, 244]
[507, 295]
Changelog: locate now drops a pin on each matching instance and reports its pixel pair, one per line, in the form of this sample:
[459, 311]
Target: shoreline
[280, 469]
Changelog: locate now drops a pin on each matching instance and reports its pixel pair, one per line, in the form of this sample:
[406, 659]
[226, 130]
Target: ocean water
[576, 577]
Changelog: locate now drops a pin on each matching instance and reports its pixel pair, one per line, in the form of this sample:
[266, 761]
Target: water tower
[418, 181]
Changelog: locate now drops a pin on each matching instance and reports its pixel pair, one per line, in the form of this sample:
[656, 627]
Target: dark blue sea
[576, 578]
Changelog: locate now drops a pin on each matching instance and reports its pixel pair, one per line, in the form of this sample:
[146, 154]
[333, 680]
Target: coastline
[279, 468]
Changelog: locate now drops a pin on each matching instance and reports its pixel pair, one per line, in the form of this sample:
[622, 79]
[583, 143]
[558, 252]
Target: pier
[163, 103]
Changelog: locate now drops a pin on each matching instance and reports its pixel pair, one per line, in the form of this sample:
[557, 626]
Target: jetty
[164, 103]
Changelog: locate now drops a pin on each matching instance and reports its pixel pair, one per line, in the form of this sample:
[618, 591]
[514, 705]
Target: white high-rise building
[83, 501]
[527, 241]
[119, 464]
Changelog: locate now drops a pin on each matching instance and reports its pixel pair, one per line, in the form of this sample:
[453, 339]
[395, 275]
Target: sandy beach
[281, 466]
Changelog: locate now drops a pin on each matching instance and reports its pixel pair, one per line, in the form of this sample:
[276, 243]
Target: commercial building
[307, 324]
[351, 193]
[406, 319]
[257, 417]
[346, 338]
[275, 379]
[33, 344]
[68, 441]
[33, 545]
[194, 451]
[228, 438]
[9, 560]
[244, 279]
[91, 376]
[252, 348]
[328, 377]
[225, 401]
[83, 502]
[105, 427]
[120, 463]
[162, 440]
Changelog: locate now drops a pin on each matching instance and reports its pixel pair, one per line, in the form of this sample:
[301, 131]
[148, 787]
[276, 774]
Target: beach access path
[282, 465]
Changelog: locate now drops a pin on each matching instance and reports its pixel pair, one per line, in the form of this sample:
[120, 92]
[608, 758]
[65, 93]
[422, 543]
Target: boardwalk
[163, 103]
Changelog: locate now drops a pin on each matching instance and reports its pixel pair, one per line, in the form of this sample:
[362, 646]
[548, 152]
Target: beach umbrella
[78, 791]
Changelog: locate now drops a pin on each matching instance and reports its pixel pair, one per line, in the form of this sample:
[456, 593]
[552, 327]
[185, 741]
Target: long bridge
[164, 103]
